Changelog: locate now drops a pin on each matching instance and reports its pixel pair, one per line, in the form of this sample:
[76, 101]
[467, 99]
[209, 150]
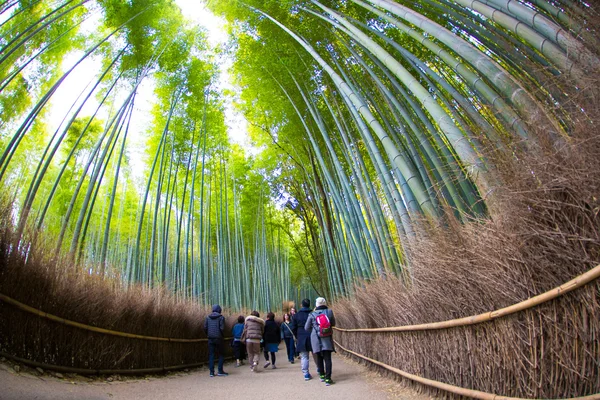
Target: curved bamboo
[51, 317]
[475, 394]
[573, 284]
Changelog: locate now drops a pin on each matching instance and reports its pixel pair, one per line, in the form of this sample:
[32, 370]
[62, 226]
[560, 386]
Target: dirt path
[353, 381]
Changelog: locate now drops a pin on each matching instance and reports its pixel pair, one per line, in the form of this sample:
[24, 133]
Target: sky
[84, 75]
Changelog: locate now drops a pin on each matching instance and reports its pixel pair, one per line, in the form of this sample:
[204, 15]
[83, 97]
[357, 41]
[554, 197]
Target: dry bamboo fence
[51, 317]
[573, 284]
[82, 371]
[475, 394]
[471, 358]
[31, 334]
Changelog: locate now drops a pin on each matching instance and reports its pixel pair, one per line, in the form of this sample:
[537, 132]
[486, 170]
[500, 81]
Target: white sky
[87, 72]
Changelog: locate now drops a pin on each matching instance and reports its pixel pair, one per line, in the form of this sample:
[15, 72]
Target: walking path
[353, 381]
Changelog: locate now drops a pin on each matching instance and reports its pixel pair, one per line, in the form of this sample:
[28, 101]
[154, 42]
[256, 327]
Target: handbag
[289, 329]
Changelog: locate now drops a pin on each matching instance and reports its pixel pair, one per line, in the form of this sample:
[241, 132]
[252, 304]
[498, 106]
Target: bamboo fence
[36, 339]
[475, 394]
[67, 322]
[563, 289]
[464, 344]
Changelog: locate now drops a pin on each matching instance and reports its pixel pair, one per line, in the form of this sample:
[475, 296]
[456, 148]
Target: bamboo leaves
[369, 118]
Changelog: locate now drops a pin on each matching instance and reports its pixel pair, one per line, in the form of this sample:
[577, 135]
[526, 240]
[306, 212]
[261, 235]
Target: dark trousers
[324, 363]
[290, 347]
[215, 347]
[238, 350]
[273, 358]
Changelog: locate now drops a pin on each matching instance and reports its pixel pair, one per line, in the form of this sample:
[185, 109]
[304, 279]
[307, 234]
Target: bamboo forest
[412, 162]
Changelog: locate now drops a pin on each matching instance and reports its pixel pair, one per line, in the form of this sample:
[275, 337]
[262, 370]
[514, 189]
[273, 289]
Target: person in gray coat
[322, 347]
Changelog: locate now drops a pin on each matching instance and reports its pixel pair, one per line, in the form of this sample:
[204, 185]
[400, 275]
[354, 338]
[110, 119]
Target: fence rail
[84, 371]
[51, 317]
[561, 290]
[475, 394]
[99, 371]
[557, 292]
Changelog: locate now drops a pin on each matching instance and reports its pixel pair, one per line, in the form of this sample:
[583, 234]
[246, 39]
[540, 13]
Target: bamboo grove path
[353, 381]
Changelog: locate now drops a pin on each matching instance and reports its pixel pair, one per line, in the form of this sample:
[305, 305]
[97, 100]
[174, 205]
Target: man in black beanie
[214, 326]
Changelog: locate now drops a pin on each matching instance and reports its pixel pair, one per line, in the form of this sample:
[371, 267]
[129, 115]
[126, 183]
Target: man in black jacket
[303, 337]
[214, 326]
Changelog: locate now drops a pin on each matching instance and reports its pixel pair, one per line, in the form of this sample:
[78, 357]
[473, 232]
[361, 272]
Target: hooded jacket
[214, 324]
[254, 328]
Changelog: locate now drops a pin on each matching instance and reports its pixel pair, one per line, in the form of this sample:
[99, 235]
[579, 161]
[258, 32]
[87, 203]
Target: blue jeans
[215, 346]
[304, 363]
[290, 347]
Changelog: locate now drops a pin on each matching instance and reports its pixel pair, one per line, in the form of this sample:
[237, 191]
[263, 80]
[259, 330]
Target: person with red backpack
[320, 323]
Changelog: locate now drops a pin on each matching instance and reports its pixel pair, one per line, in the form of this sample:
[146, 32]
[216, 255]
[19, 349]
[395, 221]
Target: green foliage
[365, 121]
[14, 101]
[148, 27]
[35, 42]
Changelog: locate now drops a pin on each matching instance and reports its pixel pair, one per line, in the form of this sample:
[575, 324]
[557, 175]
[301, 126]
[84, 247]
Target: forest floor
[352, 381]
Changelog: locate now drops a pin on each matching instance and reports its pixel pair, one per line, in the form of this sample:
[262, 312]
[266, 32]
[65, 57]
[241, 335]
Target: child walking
[238, 346]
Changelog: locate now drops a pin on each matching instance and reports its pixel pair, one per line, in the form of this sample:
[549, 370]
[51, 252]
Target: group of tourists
[303, 332]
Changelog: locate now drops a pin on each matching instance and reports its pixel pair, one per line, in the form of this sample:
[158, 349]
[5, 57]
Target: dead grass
[57, 288]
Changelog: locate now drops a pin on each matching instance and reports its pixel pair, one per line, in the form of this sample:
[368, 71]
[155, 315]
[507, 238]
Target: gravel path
[353, 381]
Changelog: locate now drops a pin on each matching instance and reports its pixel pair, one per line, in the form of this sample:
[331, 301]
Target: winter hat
[320, 302]
[217, 308]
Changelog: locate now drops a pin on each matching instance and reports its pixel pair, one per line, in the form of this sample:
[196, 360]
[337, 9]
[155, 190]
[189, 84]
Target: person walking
[272, 340]
[214, 326]
[320, 323]
[292, 313]
[303, 343]
[288, 337]
[238, 346]
[254, 328]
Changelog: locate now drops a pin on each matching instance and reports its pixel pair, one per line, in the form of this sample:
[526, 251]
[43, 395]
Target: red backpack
[324, 328]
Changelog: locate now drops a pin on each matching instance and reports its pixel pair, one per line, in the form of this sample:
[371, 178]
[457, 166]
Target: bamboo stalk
[475, 394]
[573, 284]
[51, 317]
